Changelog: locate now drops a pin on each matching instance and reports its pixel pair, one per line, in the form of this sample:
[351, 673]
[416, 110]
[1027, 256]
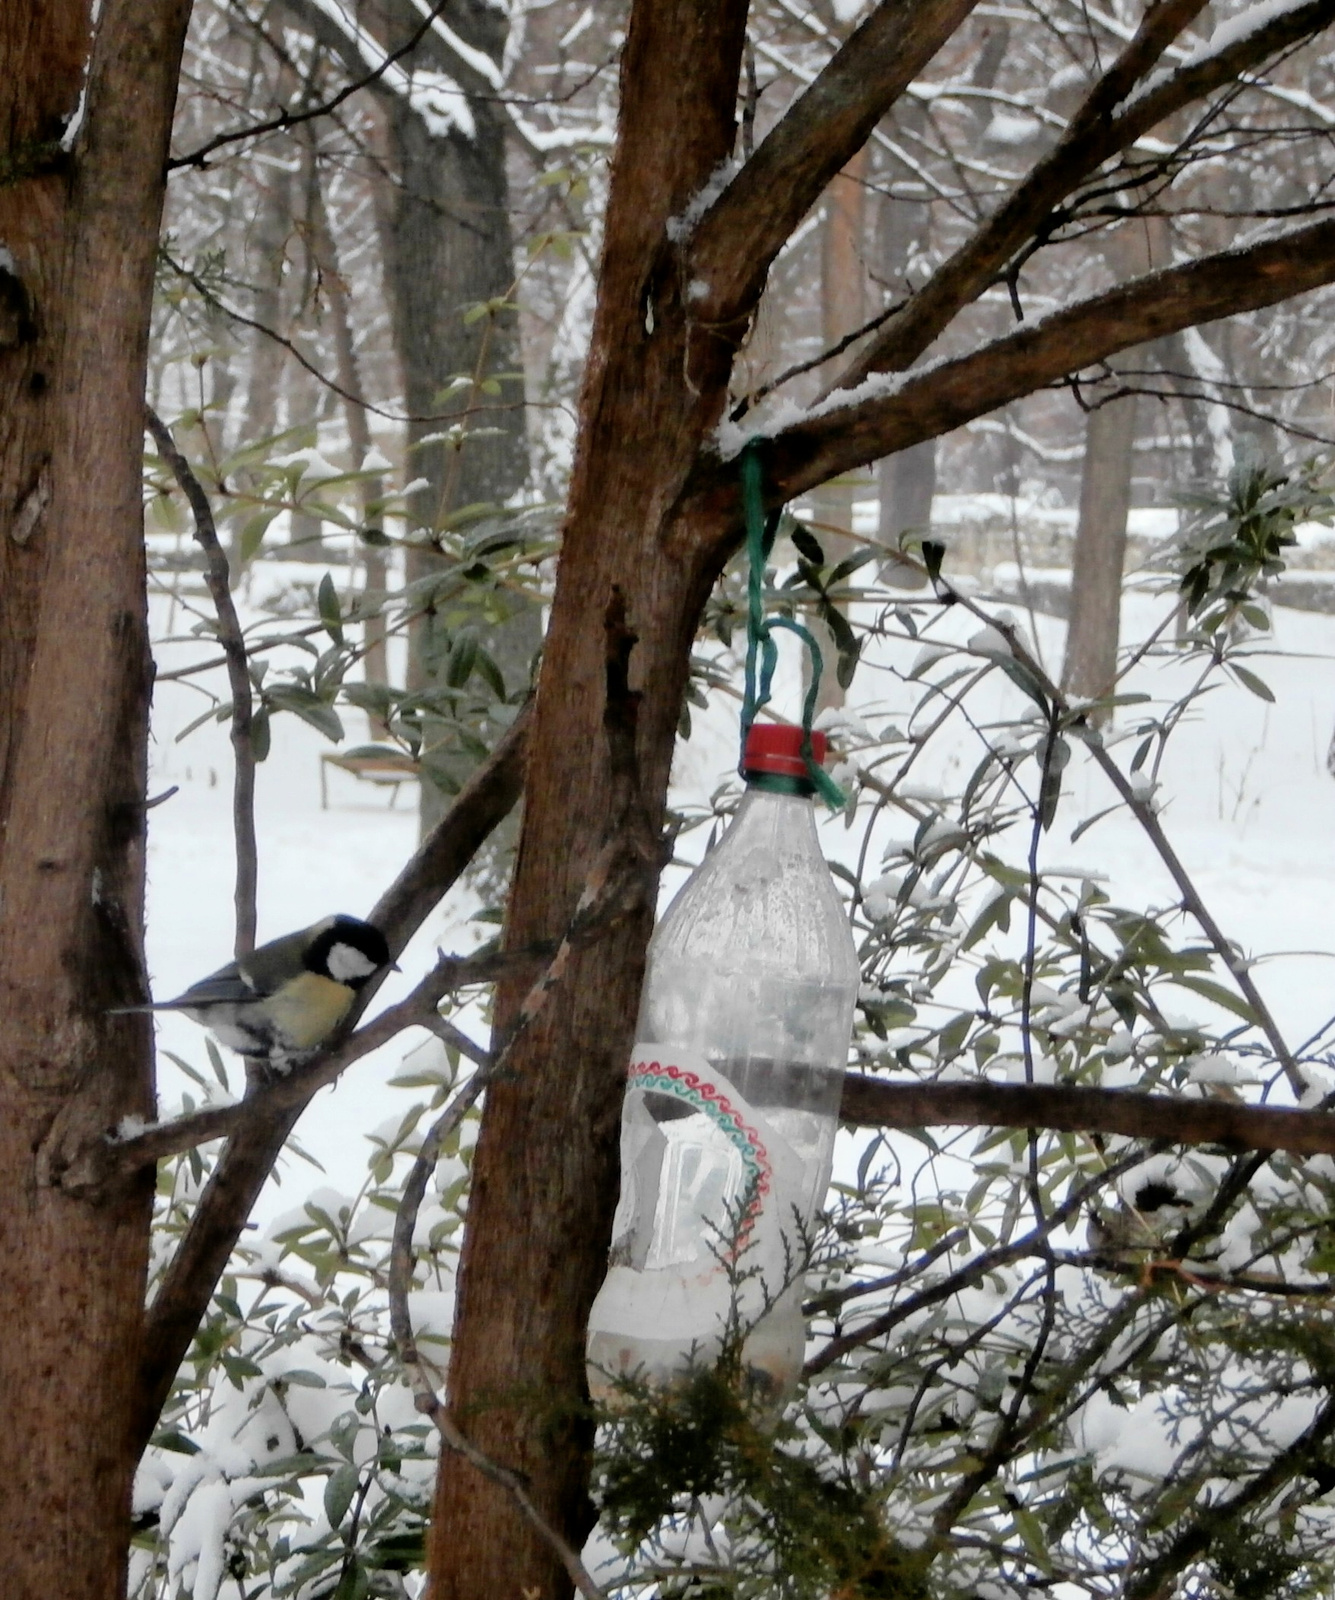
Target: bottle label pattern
[700, 1094]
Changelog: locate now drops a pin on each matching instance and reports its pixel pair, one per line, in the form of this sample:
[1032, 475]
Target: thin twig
[291, 119]
[1234, 962]
[233, 643]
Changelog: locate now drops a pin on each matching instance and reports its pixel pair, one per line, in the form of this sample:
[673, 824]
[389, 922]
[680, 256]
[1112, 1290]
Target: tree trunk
[79, 233]
[265, 357]
[545, 1174]
[905, 483]
[370, 489]
[1090, 664]
[448, 246]
[843, 298]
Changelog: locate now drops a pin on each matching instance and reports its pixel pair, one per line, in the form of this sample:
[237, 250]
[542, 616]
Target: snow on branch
[844, 432]
[434, 96]
[1093, 136]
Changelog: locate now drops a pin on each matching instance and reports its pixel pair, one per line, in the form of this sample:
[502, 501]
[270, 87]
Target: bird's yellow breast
[308, 1009]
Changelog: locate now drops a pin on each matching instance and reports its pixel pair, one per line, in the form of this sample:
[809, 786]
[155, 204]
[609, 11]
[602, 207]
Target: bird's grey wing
[230, 985]
[271, 965]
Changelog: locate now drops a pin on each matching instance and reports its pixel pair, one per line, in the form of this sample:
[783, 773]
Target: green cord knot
[759, 640]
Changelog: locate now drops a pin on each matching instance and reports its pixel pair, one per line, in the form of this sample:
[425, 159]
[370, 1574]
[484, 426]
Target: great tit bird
[284, 1000]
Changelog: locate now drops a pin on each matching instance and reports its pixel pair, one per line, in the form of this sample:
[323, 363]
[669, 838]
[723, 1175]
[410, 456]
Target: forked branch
[742, 232]
[1092, 137]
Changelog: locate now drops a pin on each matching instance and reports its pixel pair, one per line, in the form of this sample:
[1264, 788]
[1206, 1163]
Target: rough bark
[79, 234]
[544, 1177]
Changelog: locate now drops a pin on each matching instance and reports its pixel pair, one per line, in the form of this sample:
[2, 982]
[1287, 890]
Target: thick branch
[939, 398]
[233, 643]
[752, 220]
[1169, 1119]
[248, 1158]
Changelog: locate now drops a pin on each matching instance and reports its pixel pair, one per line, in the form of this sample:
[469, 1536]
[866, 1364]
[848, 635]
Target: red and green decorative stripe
[703, 1096]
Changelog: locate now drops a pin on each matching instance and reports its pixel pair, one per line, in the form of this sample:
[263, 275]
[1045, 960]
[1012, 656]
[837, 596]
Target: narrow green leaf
[338, 1493]
[807, 544]
[1258, 686]
[486, 668]
[462, 658]
[1208, 989]
[252, 534]
[331, 613]
[850, 564]
[259, 734]
[1088, 823]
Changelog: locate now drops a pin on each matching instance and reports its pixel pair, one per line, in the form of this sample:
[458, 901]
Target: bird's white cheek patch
[346, 964]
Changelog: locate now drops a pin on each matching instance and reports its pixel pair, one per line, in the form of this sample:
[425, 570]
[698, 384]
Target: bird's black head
[348, 951]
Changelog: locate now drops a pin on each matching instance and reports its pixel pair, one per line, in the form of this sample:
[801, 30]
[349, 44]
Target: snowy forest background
[1037, 1361]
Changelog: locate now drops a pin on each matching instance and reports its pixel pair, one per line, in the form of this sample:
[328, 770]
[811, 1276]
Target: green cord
[759, 541]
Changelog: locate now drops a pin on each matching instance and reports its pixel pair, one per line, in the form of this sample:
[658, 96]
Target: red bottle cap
[774, 747]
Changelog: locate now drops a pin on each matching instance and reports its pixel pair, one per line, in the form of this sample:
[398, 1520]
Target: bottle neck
[787, 809]
[780, 783]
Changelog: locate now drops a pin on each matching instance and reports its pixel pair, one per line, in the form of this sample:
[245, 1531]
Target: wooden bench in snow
[380, 764]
